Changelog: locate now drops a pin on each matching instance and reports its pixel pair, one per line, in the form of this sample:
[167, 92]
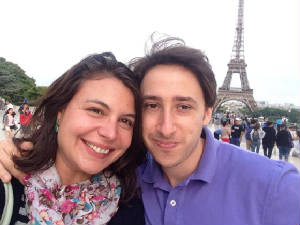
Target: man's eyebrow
[185, 99]
[107, 107]
[151, 97]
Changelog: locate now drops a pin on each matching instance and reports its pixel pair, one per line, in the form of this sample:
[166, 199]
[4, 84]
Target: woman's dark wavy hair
[42, 132]
[173, 51]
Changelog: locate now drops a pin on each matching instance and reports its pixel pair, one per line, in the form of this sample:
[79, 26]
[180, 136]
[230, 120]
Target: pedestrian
[25, 116]
[269, 139]
[257, 134]
[284, 142]
[7, 106]
[217, 134]
[248, 129]
[237, 132]
[225, 131]
[9, 122]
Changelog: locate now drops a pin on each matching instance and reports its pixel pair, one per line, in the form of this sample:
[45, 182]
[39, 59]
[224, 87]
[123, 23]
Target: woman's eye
[95, 110]
[127, 122]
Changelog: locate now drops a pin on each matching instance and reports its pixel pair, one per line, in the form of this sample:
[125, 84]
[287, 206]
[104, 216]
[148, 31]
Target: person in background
[284, 142]
[225, 131]
[257, 134]
[9, 122]
[25, 116]
[217, 134]
[248, 129]
[237, 132]
[7, 106]
[269, 139]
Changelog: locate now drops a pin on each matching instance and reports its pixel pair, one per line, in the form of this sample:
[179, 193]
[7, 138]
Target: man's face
[173, 115]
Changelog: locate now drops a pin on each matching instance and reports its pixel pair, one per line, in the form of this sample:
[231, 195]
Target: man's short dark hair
[173, 51]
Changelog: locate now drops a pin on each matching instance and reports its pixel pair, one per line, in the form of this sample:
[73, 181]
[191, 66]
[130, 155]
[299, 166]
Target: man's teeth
[97, 149]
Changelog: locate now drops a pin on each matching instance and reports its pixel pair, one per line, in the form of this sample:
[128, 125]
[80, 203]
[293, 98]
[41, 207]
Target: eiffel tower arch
[237, 66]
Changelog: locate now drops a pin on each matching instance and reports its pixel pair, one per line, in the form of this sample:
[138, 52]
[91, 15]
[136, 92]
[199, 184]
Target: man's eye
[184, 107]
[150, 105]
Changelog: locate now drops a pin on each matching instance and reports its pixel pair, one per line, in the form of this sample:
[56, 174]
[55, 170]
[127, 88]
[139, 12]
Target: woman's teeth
[97, 149]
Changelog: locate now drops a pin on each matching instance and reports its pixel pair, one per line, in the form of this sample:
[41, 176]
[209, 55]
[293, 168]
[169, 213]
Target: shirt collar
[205, 171]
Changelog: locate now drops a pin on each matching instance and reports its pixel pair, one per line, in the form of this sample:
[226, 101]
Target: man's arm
[7, 168]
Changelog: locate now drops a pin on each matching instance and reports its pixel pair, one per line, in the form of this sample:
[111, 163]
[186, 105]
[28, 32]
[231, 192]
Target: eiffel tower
[237, 66]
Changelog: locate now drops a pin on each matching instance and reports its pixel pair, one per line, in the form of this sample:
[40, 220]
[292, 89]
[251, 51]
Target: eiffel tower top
[237, 66]
[238, 46]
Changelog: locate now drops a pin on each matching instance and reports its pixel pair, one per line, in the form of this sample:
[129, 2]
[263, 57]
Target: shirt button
[172, 202]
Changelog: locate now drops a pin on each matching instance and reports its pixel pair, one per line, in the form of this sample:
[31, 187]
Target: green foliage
[276, 113]
[15, 85]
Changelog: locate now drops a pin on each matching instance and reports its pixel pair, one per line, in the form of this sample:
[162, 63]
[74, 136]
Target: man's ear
[207, 115]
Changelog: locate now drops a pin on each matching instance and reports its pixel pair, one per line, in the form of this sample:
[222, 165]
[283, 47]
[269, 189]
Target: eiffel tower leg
[227, 81]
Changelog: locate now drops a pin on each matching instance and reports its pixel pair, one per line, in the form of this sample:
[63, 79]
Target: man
[191, 178]
[237, 132]
[269, 139]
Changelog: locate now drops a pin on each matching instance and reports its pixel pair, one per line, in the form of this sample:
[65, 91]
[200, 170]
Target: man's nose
[166, 124]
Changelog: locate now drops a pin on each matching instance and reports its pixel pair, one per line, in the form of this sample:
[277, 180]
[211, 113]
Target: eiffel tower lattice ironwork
[237, 66]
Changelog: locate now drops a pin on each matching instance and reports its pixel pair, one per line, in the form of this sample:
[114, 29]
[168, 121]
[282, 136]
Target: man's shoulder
[246, 163]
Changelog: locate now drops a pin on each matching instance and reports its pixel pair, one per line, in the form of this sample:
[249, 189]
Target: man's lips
[165, 144]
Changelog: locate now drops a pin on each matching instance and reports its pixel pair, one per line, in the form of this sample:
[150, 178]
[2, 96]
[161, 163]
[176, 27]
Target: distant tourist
[225, 131]
[237, 132]
[284, 142]
[256, 135]
[25, 116]
[269, 139]
[248, 129]
[9, 121]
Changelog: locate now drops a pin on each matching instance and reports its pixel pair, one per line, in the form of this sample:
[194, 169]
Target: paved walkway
[275, 155]
[294, 160]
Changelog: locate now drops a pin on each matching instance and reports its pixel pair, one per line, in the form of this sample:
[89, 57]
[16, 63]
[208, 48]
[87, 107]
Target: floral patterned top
[91, 202]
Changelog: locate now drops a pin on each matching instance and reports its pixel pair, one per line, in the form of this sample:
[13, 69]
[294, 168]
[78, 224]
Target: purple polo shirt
[231, 186]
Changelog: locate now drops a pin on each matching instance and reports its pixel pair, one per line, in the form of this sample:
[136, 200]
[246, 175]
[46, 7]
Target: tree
[15, 85]
[275, 113]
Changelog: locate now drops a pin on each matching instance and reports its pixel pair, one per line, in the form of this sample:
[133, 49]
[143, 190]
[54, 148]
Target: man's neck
[177, 174]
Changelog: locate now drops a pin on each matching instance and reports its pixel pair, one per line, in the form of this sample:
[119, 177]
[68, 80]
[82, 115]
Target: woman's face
[95, 128]
[10, 111]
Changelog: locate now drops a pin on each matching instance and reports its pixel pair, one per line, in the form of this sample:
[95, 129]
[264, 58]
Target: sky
[45, 38]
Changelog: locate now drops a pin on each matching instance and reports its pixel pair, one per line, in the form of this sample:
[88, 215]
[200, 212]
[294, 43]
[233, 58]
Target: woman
[225, 131]
[257, 134]
[9, 121]
[85, 134]
[284, 142]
